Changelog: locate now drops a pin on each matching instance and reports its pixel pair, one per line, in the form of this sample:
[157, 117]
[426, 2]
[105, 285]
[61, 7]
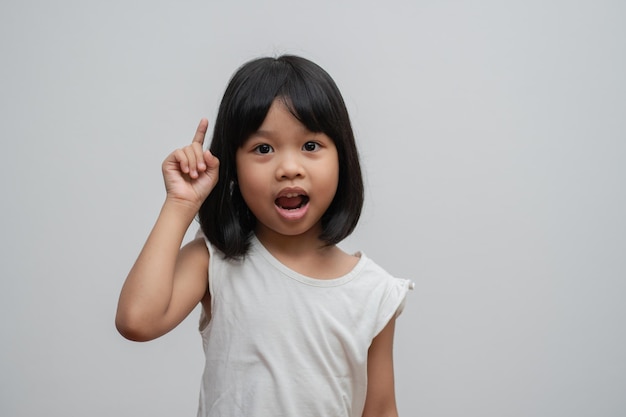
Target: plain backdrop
[493, 139]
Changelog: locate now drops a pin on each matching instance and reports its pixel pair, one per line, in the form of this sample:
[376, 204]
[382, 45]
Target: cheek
[334, 182]
[253, 186]
[333, 173]
[248, 185]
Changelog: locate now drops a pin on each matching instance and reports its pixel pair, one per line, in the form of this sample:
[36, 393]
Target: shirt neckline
[257, 246]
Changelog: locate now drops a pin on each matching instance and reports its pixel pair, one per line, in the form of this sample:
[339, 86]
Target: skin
[167, 282]
[284, 156]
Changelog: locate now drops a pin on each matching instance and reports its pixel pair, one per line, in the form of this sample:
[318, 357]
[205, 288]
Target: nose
[289, 167]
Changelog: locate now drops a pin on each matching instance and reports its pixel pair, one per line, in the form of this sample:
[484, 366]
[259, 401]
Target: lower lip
[293, 215]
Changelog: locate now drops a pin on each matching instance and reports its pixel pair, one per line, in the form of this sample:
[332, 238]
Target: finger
[210, 160]
[201, 132]
[199, 154]
[182, 160]
[190, 154]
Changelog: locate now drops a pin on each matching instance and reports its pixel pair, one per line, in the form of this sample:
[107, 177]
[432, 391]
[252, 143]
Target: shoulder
[375, 275]
[193, 262]
[387, 293]
[197, 251]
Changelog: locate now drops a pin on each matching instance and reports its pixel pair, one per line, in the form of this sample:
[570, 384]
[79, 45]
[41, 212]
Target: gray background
[493, 138]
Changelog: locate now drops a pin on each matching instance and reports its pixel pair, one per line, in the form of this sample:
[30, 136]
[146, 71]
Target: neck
[307, 243]
[307, 254]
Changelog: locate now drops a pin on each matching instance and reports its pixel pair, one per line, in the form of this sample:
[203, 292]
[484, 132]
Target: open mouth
[291, 201]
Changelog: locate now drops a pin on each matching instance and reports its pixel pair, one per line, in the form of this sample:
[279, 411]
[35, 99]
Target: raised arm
[167, 282]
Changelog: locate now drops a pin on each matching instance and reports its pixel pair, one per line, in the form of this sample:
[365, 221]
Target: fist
[190, 173]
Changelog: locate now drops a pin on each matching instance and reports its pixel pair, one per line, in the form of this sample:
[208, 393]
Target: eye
[263, 148]
[311, 146]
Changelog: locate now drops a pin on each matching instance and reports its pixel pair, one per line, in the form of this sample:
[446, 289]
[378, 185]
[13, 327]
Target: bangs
[312, 97]
[306, 95]
[310, 107]
[251, 93]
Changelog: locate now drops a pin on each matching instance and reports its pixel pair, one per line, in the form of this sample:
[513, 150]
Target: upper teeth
[291, 195]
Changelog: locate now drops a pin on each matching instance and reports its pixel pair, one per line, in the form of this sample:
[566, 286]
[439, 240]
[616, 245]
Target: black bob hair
[313, 98]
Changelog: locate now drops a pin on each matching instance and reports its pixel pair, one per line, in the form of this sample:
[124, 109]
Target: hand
[191, 173]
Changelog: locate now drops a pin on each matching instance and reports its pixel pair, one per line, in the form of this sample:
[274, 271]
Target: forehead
[280, 120]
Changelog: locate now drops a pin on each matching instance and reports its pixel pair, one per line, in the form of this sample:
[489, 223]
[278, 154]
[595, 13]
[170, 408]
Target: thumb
[211, 161]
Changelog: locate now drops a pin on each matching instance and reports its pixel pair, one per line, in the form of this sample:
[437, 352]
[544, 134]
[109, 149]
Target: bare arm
[381, 398]
[167, 282]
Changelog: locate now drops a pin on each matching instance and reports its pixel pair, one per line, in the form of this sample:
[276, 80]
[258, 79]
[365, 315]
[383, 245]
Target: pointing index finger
[201, 131]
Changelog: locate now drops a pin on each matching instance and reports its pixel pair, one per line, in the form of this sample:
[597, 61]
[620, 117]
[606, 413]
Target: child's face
[287, 175]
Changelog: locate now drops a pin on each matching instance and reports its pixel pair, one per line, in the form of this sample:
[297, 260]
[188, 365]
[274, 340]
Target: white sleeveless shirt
[279, 343]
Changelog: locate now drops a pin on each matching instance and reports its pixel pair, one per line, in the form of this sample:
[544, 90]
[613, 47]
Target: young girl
[291, 325]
